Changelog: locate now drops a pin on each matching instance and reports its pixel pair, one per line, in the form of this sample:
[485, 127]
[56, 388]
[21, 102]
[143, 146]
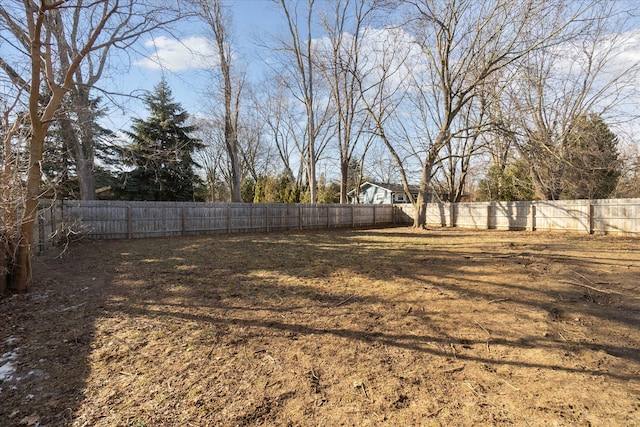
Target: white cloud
[179, 55]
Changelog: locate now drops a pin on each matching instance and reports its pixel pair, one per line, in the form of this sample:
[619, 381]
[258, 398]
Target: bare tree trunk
[81, 148]
[218, 23]
[304, 74]
[21, 274]
[39, 34]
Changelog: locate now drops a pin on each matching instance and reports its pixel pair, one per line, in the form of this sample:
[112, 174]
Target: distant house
[379, 194]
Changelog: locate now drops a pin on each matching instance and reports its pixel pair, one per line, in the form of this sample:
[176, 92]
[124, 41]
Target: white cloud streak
[191, 53]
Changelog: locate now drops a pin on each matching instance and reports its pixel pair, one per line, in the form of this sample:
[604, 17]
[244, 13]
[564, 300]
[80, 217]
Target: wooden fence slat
[125, 219]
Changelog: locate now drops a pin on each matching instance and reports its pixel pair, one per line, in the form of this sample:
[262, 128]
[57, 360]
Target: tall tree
[594, 166]
[217, 17]
[464, 43]
[161, 152]
[339, 61]
[213, 159]
[302, 79]
[42, 59]
[283, 124]
[553, 88]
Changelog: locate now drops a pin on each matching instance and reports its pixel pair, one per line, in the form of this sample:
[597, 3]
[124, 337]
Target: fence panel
[615, 216]
[122, 219]
[611, 216]
[564, 215]
[471, 215]
[508, 215]
[125, 219]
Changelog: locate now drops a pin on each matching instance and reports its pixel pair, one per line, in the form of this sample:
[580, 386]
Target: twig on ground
[454, 369]
[73, 307]
[244, 351]
[509, 384]
[497, 300]
[561, 336]
[472, 389]
[482, 327]
[602, 291]
[434, 413]
[582, 275]
[344, 301]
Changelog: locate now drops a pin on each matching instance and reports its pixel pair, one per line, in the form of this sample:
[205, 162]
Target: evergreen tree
[161, 152]
[593, 165]
[511, 183]
[62, 176]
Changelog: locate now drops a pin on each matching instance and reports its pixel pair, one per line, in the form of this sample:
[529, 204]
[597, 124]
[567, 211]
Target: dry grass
[370, 327]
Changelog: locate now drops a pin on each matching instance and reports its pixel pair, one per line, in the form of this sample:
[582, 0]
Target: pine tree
[593, 166]
[161, 152]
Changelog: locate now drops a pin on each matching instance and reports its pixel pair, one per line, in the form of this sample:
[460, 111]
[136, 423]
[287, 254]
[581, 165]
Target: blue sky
[254, 21]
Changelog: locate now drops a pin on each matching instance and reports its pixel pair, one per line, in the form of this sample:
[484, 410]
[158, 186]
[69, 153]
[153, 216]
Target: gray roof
[395, 188]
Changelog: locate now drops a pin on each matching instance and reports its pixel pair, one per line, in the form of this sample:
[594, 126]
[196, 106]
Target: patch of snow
[6, 371]
[9, 355]
[11, 340]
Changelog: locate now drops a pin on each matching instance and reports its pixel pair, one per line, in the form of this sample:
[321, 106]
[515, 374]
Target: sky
[254, 21]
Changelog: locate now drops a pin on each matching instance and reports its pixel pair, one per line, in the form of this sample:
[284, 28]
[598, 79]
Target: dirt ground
[369, 327]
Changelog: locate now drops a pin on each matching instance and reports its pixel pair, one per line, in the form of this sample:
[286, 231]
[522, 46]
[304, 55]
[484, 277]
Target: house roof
[394, 188]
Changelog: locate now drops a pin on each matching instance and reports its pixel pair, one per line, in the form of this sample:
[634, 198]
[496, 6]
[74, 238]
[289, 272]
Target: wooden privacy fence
[608, 216]
[59, 220]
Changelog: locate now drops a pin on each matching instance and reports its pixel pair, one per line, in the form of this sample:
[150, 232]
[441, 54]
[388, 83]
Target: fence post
[353, 216]
[374, 215]
[592, 224]
[183, 221]
[129, 230]
[532, 217]
[452, 219]
[328, 217]
[489, 216]
[54, 208]
[266, 213]
[299, 217]
[228, 218]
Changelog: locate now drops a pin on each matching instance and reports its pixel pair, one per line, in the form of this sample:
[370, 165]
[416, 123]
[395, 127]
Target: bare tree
[33, 31]
[78, 116]
[301, 78]
[339, 61]
[217, 17]
[382, 82]
[553, 88]
[283, 124]
[458, 153]
[256, 152]
[463, 43]
[213, 159]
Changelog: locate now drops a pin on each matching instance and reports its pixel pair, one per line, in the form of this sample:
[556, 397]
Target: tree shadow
[253, 288]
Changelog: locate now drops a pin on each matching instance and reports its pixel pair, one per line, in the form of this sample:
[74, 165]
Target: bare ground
[367, 327]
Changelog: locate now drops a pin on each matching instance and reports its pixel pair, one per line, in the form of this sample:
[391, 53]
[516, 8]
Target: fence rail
[609, 216]
[119, 219]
